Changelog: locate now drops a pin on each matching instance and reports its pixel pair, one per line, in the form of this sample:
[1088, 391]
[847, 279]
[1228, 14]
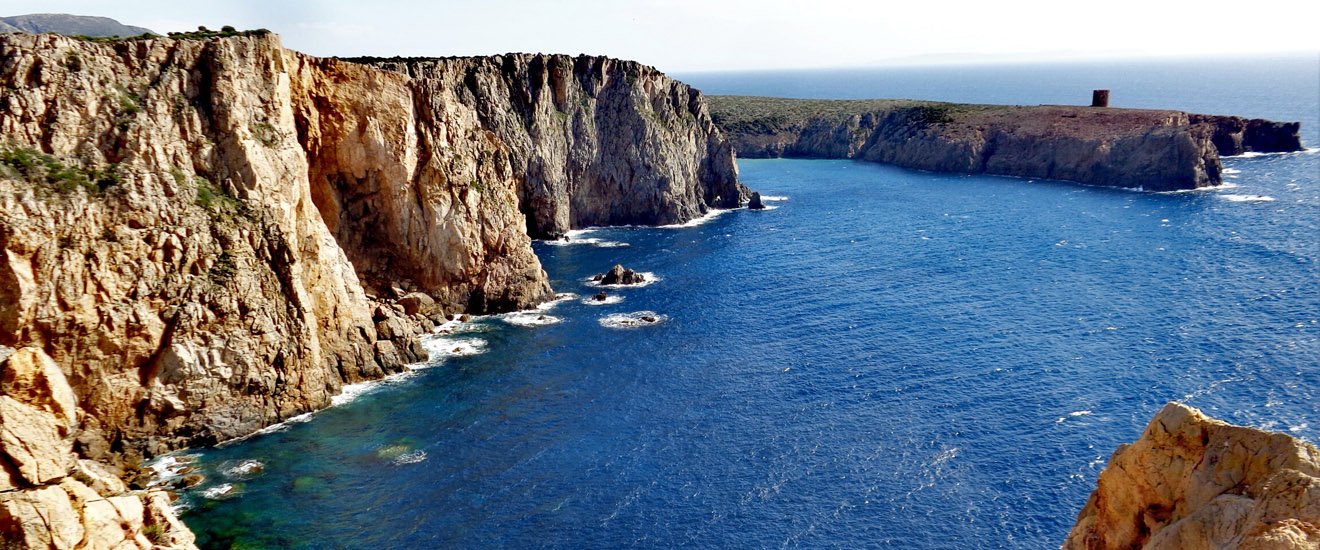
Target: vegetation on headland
[201, 33]
[773, 115]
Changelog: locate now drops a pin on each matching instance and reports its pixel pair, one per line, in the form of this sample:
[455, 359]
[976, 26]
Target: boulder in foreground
[1191, 482]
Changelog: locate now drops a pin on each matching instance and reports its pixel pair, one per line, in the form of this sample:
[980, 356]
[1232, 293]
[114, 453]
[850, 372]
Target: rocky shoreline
[1154, 150]
[202, 237]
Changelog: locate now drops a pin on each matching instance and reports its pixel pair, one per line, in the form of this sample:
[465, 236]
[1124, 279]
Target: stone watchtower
[1100, 98]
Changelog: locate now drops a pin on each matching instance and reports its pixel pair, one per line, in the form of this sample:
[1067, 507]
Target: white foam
[1254, 154]
[647, 279]
[529, 319]
[593, 241]
[947, 455]
[352, 391]
[559, 299]
[169, 466]
[1222, 186]
[768, 207]
[409, 458]
[773, 198]
[710, 215]
[1073, 414]
[441, 347]
[632, 320]
[1230, 171]
[282, 426]
[245, 469]
[609, 299]
[221, 491]
[1247, 198]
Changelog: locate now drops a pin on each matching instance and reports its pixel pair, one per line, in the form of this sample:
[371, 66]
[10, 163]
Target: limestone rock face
[198, 295]
[48, 499]
[37, 419]
[572, 125]
[1192, 483]
[414, 188]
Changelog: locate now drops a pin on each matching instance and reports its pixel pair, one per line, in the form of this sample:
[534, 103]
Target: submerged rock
[1191, 482]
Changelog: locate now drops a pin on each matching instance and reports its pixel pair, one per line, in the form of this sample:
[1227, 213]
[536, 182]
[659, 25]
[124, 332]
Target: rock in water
[755, 203]
[1191, 482]
[600, 296]
[617, 275]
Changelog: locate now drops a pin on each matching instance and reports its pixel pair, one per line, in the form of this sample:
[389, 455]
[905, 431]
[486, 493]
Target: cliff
[208, 236]
[1148, 149]
[1192, 483]
[573, 125]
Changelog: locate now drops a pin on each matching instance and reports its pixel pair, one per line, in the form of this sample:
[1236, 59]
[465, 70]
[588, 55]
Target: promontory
[1154, 150]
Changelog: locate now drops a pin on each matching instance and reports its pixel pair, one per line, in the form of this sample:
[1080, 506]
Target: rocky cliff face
[1194, 483]
[1237, 135]
[572, 125]
[48, 497]
[1147, 149]
[208, 236]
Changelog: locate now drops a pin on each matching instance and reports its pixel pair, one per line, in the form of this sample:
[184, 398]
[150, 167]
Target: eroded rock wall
[1236, 135]
[1194, 483]
[575, 127]
[200, 296]
[48, 497]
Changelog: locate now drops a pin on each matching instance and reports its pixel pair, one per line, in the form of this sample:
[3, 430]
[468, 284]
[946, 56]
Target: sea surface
[886, 358]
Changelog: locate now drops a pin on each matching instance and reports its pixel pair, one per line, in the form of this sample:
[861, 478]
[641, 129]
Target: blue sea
[886, 358]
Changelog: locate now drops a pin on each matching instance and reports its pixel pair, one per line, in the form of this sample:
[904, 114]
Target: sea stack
[618, 275]
[755, 203]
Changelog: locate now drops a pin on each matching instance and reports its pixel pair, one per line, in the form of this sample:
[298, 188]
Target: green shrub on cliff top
[937, 113]
[225, 31]
[200, 33]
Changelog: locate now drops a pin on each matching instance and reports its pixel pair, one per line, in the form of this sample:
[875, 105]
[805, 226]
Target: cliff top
[772, 115]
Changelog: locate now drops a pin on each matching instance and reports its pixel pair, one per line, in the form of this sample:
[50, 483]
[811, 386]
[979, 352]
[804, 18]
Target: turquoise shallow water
[888, 358]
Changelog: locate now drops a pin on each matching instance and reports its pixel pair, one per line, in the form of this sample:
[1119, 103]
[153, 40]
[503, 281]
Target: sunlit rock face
[1191, 483]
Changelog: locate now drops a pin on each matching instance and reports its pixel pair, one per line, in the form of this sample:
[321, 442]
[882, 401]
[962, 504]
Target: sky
[722, 35]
